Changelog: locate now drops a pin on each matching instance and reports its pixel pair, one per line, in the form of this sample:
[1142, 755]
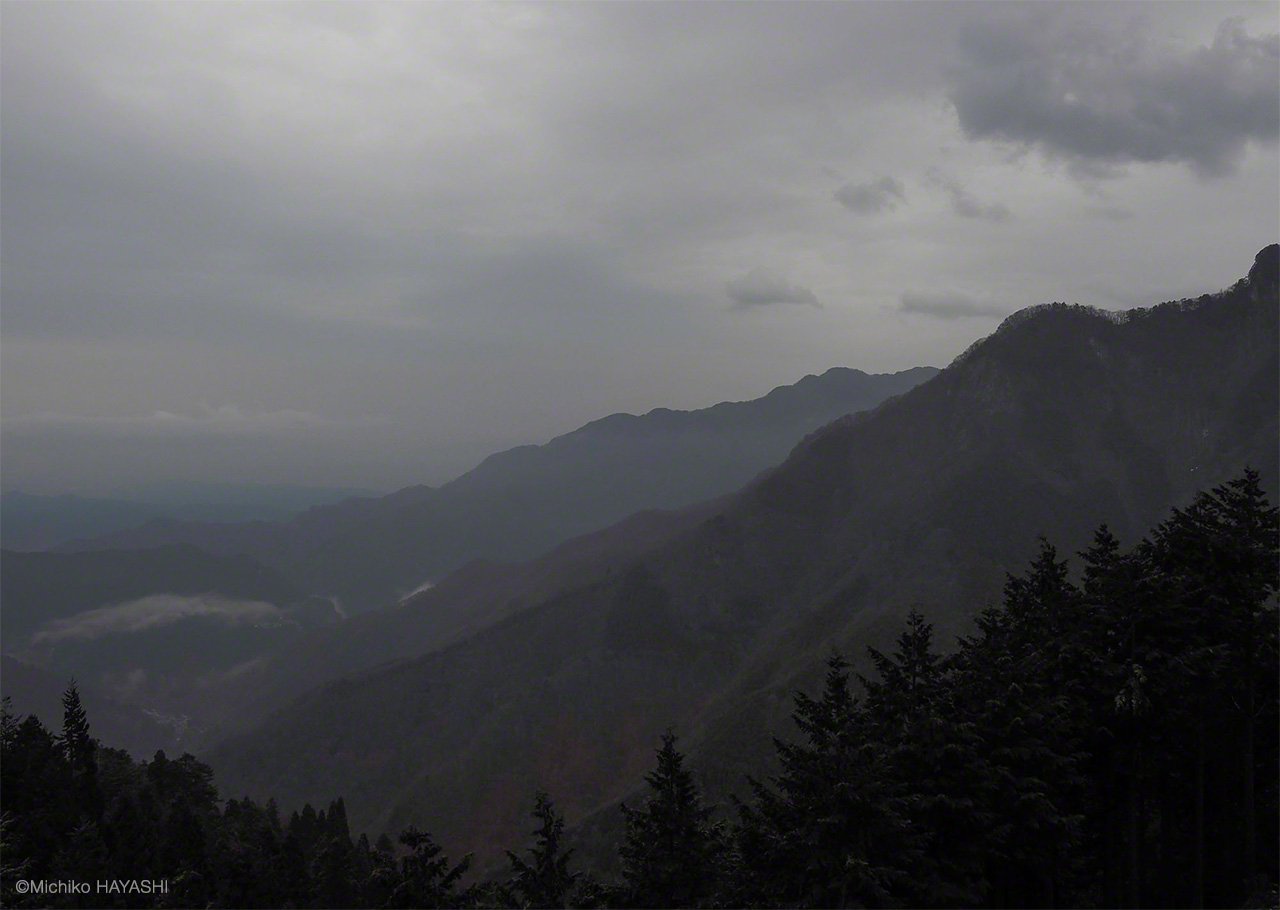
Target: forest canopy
[1103, 738]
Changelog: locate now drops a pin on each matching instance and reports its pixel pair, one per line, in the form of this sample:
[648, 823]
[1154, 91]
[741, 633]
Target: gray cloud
[762, 287]
[153, 611]
[964, 204]
[1111, 213]
[873, 197]
[948, 306]
[1111, 95]
[484, 219]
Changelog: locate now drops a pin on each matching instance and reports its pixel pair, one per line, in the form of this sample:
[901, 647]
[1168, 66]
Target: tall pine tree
[671, 851]
[544, 880]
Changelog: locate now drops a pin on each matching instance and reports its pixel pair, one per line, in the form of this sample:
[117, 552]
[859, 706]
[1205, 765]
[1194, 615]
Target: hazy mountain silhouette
[1064, 418]
[519, 503]
[33, 522]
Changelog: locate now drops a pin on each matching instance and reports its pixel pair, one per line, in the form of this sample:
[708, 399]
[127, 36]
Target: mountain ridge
[1061, 422]
[35, 522]
[516, 504]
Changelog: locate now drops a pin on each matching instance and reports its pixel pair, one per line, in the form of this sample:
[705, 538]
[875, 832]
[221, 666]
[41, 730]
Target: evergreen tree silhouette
[80, 751]
[544, 880]
[671, 849]
[426, 877]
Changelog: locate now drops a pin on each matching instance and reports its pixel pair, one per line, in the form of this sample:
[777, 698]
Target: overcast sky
[363, 244]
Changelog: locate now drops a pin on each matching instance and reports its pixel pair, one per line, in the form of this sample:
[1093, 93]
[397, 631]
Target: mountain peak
[1264, 273]
[1266, 267]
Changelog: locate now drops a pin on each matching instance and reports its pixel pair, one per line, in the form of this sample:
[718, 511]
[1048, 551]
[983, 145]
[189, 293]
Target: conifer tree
[14, 865]
[1112, 745]
[935, 769]
[830, 832]
[8, 723]
[670, 854]
[1220, 556]
[426, 877]
[908, 681]
[79, 748]
[544, 880]
[1012, 685]
[336, 821]
[75, 739]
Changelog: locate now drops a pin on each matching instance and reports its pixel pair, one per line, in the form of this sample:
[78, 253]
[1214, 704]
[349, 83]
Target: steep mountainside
[476, 596]
[36, 588]
[1064, 418]
[147, 630]
[520, 503]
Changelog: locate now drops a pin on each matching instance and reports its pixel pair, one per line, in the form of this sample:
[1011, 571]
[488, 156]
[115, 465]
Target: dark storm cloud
[873, 197]
[964, 204]
[762, 287]
[1112, 96]
[948, 306]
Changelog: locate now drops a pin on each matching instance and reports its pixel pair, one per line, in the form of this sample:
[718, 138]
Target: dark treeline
[1111, 743]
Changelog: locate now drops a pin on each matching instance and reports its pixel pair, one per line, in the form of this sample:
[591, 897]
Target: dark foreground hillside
[1107, 743]
[1065, 418]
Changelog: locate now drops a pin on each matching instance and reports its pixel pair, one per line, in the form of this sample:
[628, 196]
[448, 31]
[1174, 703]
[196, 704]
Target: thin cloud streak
[964, 203]
[949, 306]
[223, 420]
[155, 611]
[762, 287]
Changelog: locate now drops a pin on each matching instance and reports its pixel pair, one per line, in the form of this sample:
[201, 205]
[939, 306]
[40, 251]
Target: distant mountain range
[185, 617]
[33, 522]
[520, 503]
[1064, 418]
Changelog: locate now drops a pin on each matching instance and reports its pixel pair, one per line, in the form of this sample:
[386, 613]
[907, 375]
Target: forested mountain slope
[1064, 418]
[520, 503]
[36, 588]
[144, 630]
[478, 595]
